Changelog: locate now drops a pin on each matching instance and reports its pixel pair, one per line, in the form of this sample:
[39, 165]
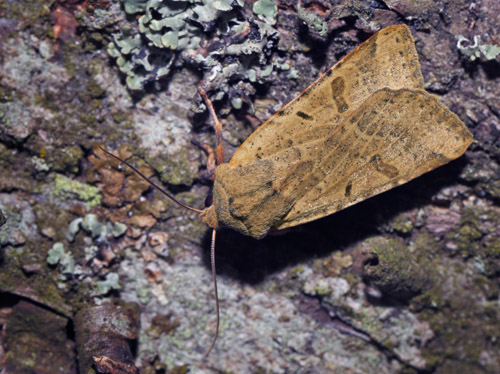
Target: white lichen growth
[55, 253]
[476, 49]
[73, 229]
[267, 9]
[108, 284]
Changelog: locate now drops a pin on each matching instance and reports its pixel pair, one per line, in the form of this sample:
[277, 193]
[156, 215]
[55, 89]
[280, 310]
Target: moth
[365, 126]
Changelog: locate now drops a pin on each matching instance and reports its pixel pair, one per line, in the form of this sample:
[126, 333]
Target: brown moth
[362, 128]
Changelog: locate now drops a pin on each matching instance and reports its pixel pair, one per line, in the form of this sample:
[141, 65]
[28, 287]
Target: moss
[431, 299]
[424, 246]
[32, 14]
[121, 117]
[488, 287]
[93, 90]
[464, 323]
[6, 94]
[39, 286]
[176, 169]
[50, 217]
[296, 271]
[184, 369]
[402, 224]
[37, 341]
[473, 229]
[47, 100]
[394, 270]
[65, 159]
[491, 257]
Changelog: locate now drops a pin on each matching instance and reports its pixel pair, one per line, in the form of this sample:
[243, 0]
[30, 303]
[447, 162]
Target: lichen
[73, 229]
[55, 253]
[402, 224]
[108, 284]
[70, 189]
[312, 20]
[169, 32]
[119, 229]
[476, 49]
[267, 9]
[165, 28]
[92, 225]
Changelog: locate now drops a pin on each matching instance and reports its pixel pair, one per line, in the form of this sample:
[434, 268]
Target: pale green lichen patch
[312, 20]
[90, 252]
[267, 9]
[92, 225]
[72, 189]
[55, 253]
[172, 31]
[119, 229]
[108, 284]
[19, 224]
[477, 48]
[73, 229]
[164, 29]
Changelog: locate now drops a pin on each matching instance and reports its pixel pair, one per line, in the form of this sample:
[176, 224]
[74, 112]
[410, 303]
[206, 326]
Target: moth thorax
[209, 217]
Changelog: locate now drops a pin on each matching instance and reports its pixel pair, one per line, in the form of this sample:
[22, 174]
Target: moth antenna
[219, 152]
[214, 278]
[219, 148]
[167, 194]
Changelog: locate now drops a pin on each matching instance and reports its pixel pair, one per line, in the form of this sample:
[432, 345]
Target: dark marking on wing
[338, 86]
[383, 167]
[304, 115]
[348, 189]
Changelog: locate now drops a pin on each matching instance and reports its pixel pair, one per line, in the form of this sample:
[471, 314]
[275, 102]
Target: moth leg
[209, 173]
[219, 149]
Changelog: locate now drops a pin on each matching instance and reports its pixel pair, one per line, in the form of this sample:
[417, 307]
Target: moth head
[209, 217]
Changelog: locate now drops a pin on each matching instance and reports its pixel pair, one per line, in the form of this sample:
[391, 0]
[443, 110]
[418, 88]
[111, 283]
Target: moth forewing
[386, 60]
[394, 137]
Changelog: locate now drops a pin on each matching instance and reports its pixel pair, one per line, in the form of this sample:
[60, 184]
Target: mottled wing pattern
[395, 136]
[387, 59]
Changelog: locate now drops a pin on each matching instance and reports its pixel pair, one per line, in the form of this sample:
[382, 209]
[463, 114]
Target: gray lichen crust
[167, 30]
